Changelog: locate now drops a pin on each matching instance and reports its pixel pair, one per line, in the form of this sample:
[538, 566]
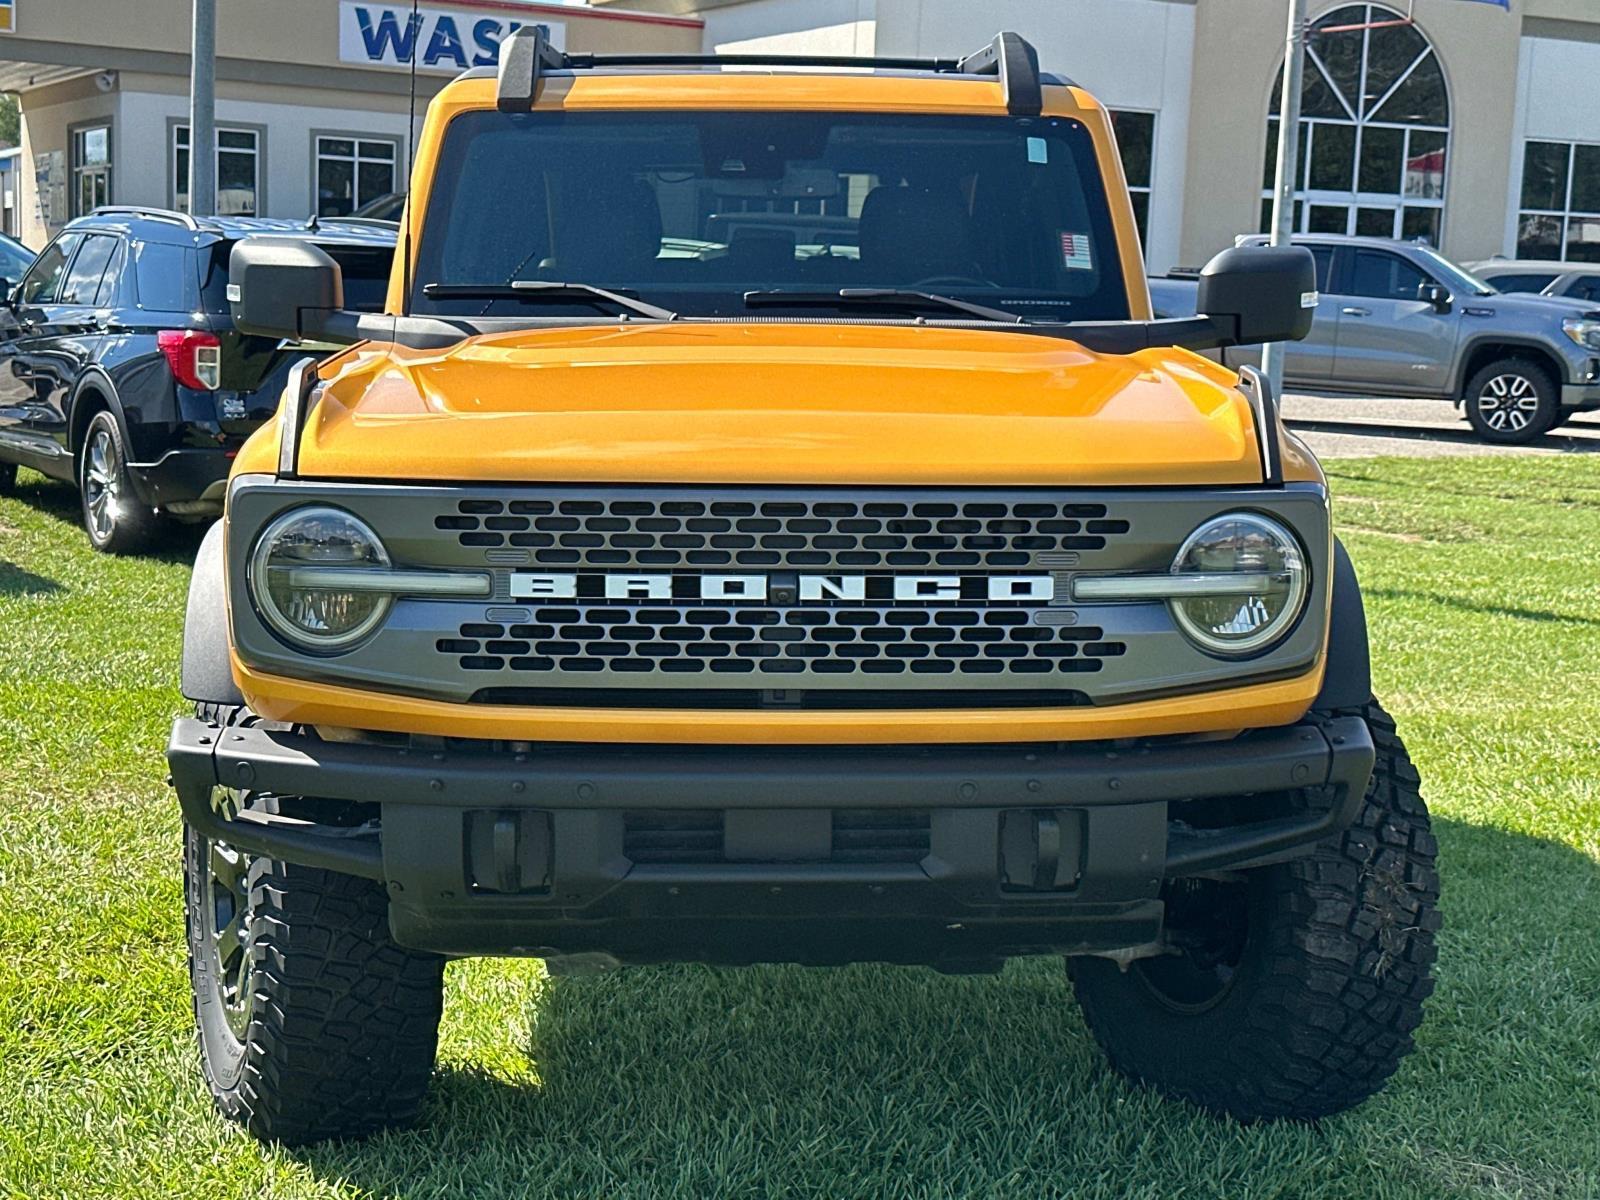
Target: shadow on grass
[14, 581]
[175, 542]
[1486, 610]
[876, 1081]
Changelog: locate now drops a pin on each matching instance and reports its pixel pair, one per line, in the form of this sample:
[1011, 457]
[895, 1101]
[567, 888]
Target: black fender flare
[1347, 682]
[207, 673]
[95, 380]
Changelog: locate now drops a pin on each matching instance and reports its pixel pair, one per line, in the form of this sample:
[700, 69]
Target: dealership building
[312, 95]
[1473, 126]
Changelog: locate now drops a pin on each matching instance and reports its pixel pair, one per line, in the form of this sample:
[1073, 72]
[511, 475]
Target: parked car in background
[121, 371]
[1399, 319]
[1580, 281]
[15, 258]
[386, 207]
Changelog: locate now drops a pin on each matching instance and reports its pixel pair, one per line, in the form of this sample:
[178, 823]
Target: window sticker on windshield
[1075, 252]
[1038, 150]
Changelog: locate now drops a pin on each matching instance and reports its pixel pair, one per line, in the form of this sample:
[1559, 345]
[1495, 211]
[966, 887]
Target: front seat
[607, 235]
[909, 234]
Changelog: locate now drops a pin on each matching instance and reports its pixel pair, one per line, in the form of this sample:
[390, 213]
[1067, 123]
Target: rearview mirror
[287, 288]
[1436, 295]
[1256, 294]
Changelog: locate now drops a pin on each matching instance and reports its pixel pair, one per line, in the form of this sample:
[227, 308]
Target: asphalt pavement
[1358, 427]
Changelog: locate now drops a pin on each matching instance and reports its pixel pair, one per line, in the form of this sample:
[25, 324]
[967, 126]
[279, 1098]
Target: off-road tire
[1329, 984]
[1530, 384]
[8, 478]
[342, 1024]
[123, 524]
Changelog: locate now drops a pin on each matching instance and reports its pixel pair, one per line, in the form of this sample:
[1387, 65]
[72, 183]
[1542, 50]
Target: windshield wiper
[537, 291]
[893, 299]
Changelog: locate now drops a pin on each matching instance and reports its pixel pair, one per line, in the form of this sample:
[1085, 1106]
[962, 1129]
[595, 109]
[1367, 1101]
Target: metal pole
[1283, 188]
[203, 111]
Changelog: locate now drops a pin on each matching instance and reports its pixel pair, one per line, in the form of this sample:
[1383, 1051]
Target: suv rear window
[164, 277]
[692, 210]
[365, 270]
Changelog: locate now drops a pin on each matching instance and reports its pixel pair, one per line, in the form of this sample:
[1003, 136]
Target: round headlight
[312, 617]
[1273, 581]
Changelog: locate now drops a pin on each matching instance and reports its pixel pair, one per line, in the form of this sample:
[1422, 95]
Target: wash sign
[443, 39]
[8, 15]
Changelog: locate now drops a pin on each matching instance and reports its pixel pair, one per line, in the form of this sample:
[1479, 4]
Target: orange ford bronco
[767, 526]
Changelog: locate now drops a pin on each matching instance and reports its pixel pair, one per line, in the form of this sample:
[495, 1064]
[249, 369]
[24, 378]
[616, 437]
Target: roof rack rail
[156, 214]
[527, 54]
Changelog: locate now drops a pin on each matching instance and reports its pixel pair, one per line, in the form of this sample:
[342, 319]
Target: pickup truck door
[1308, 362]
[1389, 340]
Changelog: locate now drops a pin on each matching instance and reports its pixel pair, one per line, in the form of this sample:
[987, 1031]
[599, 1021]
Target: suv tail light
[194, 355]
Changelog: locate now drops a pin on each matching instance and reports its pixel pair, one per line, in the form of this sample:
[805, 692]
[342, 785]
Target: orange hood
[779, 403]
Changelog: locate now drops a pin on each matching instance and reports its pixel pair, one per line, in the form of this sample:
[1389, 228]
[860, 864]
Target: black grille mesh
[778, 642]
[835, 533]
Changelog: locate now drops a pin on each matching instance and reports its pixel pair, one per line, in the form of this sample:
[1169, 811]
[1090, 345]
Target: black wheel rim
[226, 896]
[102, 484]
[1208, 927]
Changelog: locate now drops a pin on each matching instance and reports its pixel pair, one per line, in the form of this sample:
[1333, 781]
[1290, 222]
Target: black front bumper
[754, 853]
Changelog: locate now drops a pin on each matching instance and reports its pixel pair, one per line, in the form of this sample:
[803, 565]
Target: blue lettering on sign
[488, 33]
[387, 33]
[446, 42]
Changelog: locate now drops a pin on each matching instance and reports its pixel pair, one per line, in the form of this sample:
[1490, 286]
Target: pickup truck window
[1383, 276]
[690, 211]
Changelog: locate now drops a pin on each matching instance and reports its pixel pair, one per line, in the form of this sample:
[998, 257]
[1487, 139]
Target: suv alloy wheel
[117, 522]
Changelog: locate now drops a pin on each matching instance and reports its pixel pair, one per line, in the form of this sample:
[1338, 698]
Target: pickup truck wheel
[1511, 401]
[117, 522]
[8, 478]
[1296, 989]
[312, 1023]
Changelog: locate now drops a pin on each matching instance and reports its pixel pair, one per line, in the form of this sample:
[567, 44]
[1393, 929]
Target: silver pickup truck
[1400, 319]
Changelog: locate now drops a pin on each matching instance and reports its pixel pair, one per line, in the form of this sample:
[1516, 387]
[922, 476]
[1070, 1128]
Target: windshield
[1457, 279]
[690, 211]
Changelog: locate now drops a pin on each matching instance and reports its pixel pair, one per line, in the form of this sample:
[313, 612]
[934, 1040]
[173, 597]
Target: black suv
[122, 372]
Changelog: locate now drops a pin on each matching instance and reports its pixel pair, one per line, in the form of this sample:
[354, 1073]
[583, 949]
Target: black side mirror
[287, 288]
[1256, 294]
[6, 299]
[1436, 295]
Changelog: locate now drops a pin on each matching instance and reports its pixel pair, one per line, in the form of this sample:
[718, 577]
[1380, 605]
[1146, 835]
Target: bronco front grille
[820, 643]
[842, 534]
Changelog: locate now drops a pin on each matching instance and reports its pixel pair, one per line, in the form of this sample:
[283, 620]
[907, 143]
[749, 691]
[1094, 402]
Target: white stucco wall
[143, 162]
[794, 27]
[1133, 54]
[1558, 99]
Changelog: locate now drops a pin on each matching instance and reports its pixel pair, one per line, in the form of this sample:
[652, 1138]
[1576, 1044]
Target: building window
[238, 171]
[91, 168]
[353, 171]
[1374, 131]
[1560, 214]
[1136, 139]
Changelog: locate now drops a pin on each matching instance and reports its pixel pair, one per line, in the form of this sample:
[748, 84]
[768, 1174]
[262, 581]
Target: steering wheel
[933, 281]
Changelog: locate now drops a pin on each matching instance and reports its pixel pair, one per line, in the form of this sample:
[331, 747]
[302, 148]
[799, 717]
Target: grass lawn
[1481, 578]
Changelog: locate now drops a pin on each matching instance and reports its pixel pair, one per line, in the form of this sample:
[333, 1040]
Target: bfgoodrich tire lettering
[337, 1034]
[1309, 1008]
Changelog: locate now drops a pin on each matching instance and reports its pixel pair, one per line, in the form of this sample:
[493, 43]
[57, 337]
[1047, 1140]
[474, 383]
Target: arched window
[1374, 130]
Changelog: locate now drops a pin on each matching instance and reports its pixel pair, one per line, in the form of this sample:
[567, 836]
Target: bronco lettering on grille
[825, 589]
